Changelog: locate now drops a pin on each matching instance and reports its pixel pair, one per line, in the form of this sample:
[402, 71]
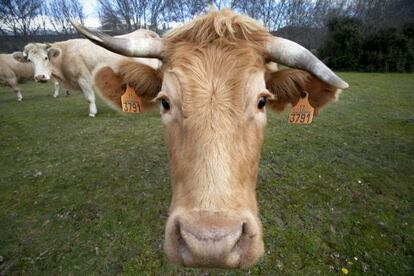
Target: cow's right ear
[53, 52]
[20, 57]
[111, 84]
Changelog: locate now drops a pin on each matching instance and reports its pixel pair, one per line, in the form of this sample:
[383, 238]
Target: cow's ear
[146, 80]
[53, 52]
[20, 57]
[288, 86]
[111, 84]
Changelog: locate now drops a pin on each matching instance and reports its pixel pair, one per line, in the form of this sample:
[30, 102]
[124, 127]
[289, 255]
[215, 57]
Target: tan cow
[12, 71]
[213, 88]
[71, 62]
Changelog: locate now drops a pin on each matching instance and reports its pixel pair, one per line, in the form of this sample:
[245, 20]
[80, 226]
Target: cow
[12, 71]
[213, 89]
[71, 62]
[14, 68]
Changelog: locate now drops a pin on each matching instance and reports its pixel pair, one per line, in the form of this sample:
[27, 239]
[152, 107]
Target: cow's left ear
[288, 86]
[53, 52]
[20, 57]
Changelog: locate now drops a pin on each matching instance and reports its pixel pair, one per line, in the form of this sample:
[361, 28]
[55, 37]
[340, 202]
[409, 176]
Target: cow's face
[213, 106]
[40, 55]
[213, 97]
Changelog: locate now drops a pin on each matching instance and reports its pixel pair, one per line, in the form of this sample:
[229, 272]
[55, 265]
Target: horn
[141, 47]
[289, 53]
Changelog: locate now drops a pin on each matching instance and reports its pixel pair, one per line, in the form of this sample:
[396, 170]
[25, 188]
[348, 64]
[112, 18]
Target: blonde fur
[223, 25]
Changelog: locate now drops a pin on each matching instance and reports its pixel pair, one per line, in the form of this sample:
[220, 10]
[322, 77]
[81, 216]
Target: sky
[89, 8]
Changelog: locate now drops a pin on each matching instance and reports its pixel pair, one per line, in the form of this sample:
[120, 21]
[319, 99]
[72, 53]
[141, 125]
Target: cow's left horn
[146, 47]
[294, 55]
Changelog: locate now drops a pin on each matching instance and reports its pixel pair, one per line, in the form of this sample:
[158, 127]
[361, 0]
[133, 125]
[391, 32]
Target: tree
[269, 12]
[380, 14]
[343, 47]
[350, 47]
[128, 15]
[18, 16]
[183, 10]
[60, 11]
[388, 50]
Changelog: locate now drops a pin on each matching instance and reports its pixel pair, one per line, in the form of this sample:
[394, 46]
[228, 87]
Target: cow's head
[40, 55]
[213, 88]
[20, 57]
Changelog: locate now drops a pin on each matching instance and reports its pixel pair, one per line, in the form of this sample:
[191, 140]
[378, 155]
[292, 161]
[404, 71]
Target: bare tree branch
[18, 16]
[60, 11]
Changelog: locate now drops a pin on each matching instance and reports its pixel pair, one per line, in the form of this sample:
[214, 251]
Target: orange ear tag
[131, 103]
[302, 112]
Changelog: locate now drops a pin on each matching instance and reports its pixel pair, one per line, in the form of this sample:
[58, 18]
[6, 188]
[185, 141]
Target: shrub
[350, 46]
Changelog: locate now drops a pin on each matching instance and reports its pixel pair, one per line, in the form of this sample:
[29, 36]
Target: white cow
[72, 62]
[13, 71]
[15, 68]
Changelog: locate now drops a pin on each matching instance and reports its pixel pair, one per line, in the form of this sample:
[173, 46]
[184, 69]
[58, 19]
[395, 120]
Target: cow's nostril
[179, 237]
[243, 233]
[40, 78]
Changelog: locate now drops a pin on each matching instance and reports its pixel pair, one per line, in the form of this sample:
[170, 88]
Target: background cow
[72, 62]
[12, 71]
[213, 88]
[15, 68]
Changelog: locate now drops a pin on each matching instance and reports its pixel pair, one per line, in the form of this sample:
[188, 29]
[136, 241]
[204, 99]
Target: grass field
[81, 196]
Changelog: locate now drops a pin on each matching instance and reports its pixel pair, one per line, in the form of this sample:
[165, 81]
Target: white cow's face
[40, 54]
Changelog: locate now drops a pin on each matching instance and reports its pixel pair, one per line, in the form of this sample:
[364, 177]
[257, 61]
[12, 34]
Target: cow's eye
[45, 58]
[28, 60]
[261, 102]
[165, 104]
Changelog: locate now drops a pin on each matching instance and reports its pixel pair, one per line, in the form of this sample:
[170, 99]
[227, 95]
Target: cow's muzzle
[213, 239]
[41, 78]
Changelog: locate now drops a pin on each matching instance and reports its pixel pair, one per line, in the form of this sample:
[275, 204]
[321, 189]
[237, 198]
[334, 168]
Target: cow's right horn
[146, 47]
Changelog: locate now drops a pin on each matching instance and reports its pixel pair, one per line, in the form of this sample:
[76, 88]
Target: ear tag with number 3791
[302, 112]
[131, 103]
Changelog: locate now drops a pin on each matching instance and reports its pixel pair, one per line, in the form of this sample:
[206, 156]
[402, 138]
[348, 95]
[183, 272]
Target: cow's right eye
[165, 104]
[261, 102]
[45, 58]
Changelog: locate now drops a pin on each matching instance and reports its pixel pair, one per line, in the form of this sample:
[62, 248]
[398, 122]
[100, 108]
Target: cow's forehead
[213, 77]
[36, 48]
[215, 65]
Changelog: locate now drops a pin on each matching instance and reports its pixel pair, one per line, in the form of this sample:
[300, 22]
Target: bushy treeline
[353, 45]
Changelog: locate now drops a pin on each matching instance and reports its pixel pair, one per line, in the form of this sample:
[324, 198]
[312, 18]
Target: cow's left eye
[261, 102]
[165, 104]
[45, 58]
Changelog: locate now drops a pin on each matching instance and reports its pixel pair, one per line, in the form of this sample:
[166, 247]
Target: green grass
[90, 196]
